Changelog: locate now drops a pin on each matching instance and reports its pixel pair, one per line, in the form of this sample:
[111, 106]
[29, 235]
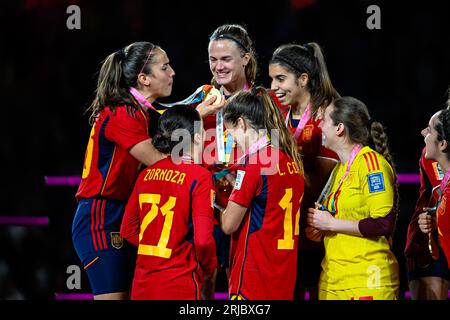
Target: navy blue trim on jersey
[190, 234]
[258, 207]
[105, 152]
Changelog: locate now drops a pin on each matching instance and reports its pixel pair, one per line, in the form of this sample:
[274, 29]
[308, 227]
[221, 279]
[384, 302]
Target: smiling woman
[232, 62]
[232, 58]
[301, 83]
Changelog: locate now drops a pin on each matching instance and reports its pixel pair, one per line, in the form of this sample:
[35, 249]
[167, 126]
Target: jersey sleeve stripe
[369, 155]
[377, 164]
[367, 161]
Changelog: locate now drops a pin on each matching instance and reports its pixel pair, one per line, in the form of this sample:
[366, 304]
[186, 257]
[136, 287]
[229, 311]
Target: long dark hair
[179, 117]
[261, 112]
[239, 35]
[443, 128]
[308, 59]
[119, 72]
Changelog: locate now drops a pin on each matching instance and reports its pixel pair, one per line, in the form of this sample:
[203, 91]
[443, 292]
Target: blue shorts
[108, 260]
[428, 267]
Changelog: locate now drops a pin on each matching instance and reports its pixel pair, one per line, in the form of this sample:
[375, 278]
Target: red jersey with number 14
[109, 169]
[264, 248]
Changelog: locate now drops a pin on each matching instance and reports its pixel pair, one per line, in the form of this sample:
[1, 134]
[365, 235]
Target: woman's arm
[146, 153]
[324, 221]
[231, 217]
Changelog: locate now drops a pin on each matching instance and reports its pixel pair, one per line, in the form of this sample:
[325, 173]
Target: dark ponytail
[308, 59]
[325, 93]
[119, 72]
[174, 125]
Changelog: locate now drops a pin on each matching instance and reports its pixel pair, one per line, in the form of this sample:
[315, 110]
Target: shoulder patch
[376, 182]
[239, 178]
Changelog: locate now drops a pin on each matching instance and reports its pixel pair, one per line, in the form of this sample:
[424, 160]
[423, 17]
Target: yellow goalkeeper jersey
[367, 191]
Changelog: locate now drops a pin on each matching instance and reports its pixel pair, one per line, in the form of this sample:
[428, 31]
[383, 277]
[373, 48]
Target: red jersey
[309, 144]
[443, 222]
[309, 141]
[430, 178]
[169, 216]
[264, 249]
[109, 169]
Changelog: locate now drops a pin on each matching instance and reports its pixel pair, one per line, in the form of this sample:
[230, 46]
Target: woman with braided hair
[358, 215]
[437, 148]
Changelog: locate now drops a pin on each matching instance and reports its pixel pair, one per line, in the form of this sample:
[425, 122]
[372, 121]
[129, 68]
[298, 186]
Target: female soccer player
[428, 276]
[359, 213]
[169, 216]
[129, 81]
[437, 137]
[232, 61]
[302, 85]
[263, 211]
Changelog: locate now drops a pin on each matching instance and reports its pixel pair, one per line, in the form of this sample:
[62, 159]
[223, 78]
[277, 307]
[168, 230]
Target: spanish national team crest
[349, 179]
[307, 133]
[116, 240]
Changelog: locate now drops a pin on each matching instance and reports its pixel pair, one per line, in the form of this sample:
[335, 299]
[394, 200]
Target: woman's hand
[208, 107]
[320, 219]
[426, 222]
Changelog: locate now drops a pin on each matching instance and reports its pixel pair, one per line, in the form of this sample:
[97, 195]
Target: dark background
[48, 78]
